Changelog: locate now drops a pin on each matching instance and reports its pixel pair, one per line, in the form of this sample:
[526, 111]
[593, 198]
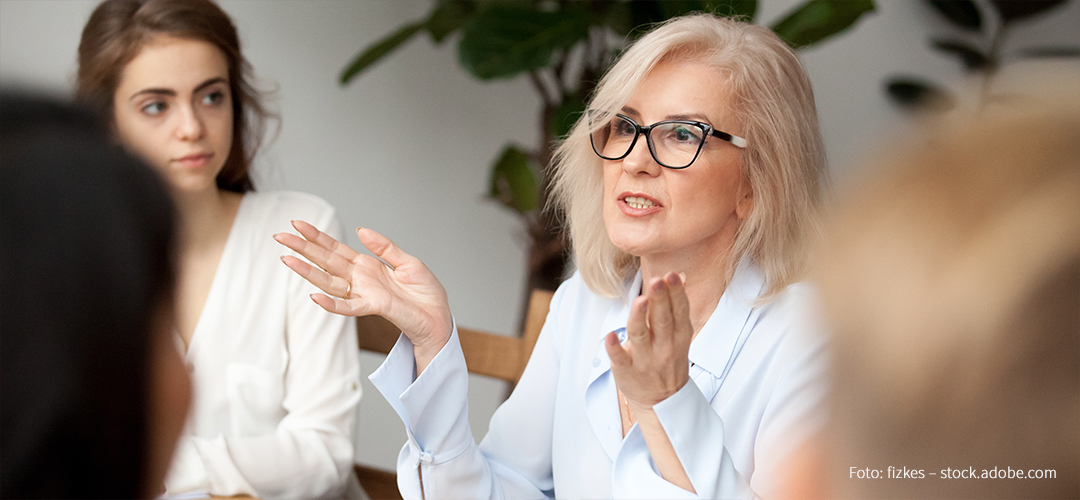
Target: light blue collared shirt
[758, 388]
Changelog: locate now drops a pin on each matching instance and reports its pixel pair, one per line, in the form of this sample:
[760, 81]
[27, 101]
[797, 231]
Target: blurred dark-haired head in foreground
[94, 393]
[952, 282]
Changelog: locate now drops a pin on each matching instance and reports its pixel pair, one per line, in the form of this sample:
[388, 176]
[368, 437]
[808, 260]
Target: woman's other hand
[654, 362]
[399, 287]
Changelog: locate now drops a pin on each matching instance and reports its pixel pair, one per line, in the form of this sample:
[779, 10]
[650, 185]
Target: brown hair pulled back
[117, 31]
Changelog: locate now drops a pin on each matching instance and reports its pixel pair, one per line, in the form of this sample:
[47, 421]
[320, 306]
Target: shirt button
[595, 362]
[352, 386]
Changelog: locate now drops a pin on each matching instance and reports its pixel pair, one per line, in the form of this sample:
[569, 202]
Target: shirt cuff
[433, 406]
[697, 435]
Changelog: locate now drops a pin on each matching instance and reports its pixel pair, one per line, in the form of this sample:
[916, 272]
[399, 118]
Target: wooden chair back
[486, 353]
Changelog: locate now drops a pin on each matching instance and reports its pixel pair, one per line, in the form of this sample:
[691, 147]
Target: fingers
[680, 306]
[619, 356]
[660, 317]
[324, 240]
[332, 285]
[330, 261]
[637, 330]
[382, 247]
[351, 307]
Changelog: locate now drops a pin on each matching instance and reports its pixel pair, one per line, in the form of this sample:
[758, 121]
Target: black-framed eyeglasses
[673, 144]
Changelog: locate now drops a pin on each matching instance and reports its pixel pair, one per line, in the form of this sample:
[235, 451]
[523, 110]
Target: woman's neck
[205, 218]
[705, 281]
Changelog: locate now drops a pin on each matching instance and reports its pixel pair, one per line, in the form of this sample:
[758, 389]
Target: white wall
[405, 149]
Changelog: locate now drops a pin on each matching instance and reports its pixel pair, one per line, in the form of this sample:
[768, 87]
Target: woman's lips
[194, 161]
[636, 205]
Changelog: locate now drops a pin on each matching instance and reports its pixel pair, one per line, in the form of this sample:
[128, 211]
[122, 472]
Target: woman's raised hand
[404, 292]
[654, 362]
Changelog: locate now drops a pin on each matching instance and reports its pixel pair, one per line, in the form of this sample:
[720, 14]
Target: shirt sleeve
[441, 457]
[310, 454]
[697, 434]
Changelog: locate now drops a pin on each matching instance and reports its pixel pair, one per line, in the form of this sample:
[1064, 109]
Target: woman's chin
[636, 245]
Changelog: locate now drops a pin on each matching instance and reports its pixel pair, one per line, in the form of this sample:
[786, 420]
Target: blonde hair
[952, 283]
[769, 94]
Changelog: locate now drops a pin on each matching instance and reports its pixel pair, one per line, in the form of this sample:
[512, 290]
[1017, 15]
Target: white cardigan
[757, 390]
[276, 378]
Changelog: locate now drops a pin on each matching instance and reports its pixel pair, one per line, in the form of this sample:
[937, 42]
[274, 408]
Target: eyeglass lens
[673, 144]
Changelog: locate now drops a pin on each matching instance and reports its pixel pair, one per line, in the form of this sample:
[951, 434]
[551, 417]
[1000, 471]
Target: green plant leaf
[961, 13]
[644, 14]
[379, 49]
[572, 107]
[448, 17]
[914, 94]
[817, 20]
[743, 9]
[1014, 10]
[615, 15]
[973, 58]
[513, 180]
[504, 40]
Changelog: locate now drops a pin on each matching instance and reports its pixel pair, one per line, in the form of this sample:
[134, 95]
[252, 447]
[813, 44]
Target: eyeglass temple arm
[735, 140]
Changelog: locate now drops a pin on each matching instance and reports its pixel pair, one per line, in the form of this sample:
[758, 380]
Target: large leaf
[380, 49]
[961, 13]
[572, 107]
[504, 40]
[513, 180]
[915, 94]
[644, 14]
[743, 9]
[1015, 10]
[817, 20]
[636, 17]
[448, 17]
[973, 58]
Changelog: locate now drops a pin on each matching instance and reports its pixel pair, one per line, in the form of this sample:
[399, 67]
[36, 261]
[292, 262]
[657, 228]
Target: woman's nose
[190, 127]
[640, 159]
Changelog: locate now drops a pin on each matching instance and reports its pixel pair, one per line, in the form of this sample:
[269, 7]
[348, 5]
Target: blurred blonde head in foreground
[952, 283]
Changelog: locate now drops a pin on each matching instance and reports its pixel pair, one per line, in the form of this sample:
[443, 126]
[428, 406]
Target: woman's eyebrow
[209, 82]
[697, 117]
[154, 91]
[172, 93]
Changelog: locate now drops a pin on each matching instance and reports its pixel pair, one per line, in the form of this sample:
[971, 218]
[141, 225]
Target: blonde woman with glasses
[677, 361]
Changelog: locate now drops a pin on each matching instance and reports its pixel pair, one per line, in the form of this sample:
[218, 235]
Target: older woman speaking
[677, 361]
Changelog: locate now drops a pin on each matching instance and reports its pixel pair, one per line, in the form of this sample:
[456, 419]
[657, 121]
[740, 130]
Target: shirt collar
[714, 344]
[712, 348]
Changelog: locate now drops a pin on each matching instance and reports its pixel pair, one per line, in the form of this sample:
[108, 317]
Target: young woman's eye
[154, 108]
[213, 98]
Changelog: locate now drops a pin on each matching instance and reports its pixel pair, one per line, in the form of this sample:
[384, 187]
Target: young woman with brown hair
[276, 378]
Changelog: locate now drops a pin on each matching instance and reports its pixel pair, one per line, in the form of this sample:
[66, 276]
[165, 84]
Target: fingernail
[682, 276]
[672, 279]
